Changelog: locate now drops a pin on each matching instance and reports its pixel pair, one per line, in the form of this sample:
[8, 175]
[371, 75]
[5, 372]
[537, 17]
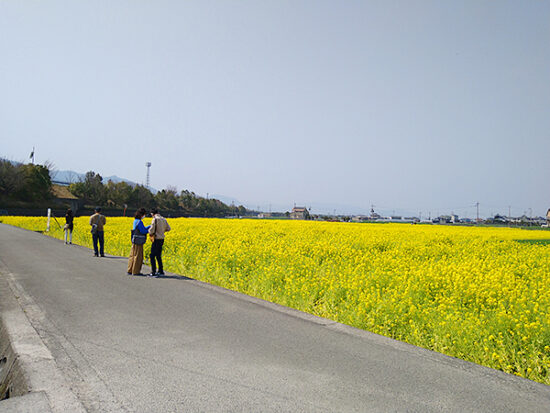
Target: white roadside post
[48, 224]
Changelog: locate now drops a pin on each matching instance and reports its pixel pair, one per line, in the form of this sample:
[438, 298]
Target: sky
[410, 106]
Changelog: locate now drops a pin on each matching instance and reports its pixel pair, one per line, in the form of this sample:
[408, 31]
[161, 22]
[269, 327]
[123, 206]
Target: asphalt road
[176, 345]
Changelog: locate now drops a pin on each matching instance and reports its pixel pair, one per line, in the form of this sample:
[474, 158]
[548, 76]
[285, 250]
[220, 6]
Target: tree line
[31, 185]
[92, 190]
[24, 182]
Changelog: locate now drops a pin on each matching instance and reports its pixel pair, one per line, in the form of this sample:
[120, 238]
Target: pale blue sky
[408, 105]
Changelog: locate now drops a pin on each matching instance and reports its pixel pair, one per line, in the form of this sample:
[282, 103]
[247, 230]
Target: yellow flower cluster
[480, 294]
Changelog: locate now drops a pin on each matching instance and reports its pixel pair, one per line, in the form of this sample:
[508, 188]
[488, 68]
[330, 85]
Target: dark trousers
[156, 252]
[98, 236]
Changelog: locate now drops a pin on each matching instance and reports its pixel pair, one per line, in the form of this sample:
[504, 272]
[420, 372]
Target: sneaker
[129, 273]
[103, 255]
[152, 274]
[96, 255]
[160, 273]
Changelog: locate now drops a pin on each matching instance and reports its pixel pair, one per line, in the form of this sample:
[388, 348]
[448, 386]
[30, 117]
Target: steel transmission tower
[148, 165]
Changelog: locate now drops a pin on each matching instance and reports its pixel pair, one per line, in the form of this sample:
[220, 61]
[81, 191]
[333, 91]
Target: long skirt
[136, 259]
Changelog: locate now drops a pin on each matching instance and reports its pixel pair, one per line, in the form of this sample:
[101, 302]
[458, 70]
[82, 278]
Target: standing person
[135, 261]
[69, 217]
[97, 221]
[157, 229]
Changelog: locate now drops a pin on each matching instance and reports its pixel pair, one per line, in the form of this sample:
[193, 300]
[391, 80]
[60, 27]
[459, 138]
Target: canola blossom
[480, 294]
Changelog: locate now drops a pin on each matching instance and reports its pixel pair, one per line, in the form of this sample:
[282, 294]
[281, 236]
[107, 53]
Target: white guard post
[48, 224]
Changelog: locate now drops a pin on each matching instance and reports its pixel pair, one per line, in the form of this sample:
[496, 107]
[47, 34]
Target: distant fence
[33, 212]
[60, 212]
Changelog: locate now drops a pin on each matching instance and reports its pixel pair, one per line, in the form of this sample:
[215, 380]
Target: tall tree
[167, 199]
[141, 197]
[188, 201]
[90, 188]
[119, 193]
[11, 178]
[37, 183]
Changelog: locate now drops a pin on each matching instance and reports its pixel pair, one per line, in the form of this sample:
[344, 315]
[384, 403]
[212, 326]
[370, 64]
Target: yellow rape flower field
[480, 294]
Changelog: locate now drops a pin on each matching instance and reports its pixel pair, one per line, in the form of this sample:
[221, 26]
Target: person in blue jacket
[136, 254]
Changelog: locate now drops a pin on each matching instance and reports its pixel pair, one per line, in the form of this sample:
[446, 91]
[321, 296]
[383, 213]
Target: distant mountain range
[69, 177]
[226, 199]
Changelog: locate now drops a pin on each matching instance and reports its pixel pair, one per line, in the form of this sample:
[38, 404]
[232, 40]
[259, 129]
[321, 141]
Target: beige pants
[136, 259]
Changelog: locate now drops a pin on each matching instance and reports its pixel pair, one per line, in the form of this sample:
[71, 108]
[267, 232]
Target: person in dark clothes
[97, 221]
[156, 231]
[69, 217]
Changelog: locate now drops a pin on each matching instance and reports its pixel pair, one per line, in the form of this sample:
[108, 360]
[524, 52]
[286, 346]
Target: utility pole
[509, 212]
[148, 165]
[477, 213]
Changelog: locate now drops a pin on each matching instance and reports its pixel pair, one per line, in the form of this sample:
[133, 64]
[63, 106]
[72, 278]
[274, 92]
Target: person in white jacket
[156, 231]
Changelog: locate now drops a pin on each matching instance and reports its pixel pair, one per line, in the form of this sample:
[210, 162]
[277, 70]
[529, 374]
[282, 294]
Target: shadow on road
[160, 277]
[174, 277]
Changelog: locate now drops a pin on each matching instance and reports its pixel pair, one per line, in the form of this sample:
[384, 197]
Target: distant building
[374, 215]
[500, 219]
[62, 195]
[454, 218]
[299, 213]
[548, 217]
[443, 219]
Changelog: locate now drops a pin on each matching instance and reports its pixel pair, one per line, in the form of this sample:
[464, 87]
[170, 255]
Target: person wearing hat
[97, 221]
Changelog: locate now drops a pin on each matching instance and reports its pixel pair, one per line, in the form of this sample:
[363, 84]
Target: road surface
[173, 344]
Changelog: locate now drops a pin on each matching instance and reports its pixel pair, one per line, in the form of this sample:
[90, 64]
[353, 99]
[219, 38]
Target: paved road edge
[526, 385]
[27, 367]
